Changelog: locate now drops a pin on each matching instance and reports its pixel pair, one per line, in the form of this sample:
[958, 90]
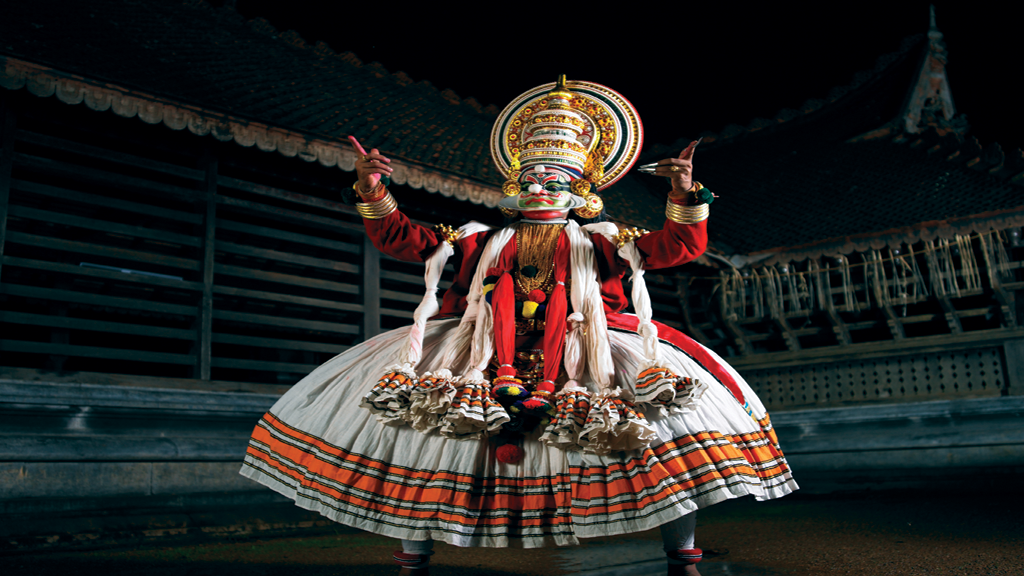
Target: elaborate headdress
[585, 130]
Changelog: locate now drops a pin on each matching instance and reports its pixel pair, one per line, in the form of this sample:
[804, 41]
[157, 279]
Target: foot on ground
[683, 570]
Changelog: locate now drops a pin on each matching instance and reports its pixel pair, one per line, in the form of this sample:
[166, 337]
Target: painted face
[545, 191]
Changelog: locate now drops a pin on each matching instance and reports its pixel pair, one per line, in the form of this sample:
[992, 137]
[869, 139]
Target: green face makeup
[553, 194]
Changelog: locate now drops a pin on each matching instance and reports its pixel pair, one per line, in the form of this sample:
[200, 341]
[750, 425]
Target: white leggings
[421, 547]
[678, 534]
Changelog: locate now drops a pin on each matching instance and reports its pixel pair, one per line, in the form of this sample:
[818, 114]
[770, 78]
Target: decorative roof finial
[931, 101]
[934, 34]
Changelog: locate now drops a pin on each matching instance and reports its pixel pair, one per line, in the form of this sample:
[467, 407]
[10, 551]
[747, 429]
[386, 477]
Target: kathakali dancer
[529, 410]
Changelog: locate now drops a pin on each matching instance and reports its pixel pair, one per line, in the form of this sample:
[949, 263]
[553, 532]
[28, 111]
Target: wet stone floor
[971, 533]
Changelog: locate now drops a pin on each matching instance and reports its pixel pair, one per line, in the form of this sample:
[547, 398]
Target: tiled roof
[213, 58]
[805, 178]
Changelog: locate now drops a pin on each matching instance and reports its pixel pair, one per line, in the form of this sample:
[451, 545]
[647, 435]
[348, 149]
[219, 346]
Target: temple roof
[883, 159]
[846, 172]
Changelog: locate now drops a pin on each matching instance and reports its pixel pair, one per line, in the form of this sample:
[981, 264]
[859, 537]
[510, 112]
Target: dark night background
[686, 67]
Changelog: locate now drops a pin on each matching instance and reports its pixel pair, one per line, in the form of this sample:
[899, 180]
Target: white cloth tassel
[586, 298]
[452, 355]
[642, 304]
[412, 351]
[572, 358]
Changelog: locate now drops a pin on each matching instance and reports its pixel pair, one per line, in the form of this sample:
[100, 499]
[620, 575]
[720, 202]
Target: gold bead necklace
[535, 246]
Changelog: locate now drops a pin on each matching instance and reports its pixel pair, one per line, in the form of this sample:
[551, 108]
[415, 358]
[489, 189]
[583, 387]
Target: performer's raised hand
[370, 166]
[678, 170]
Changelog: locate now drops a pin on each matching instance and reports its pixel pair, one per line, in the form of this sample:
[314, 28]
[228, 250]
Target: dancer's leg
[414, 557]
[678, 538]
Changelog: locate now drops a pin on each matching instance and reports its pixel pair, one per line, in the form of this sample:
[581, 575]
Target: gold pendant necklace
[535, 254]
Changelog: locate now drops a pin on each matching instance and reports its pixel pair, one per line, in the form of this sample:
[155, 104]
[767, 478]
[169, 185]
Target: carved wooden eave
[922, 232]
[151, 109]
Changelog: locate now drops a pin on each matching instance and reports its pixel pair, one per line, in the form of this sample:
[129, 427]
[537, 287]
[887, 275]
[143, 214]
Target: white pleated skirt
[319, 447]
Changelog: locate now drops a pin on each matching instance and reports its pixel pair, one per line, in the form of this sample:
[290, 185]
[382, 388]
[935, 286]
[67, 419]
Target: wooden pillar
[1013, 352]
[204, 336]
[825, 298]
[7, 126]
[792, 342]
[894, 322]
[1007, 304]
[949, 312]
[371, 289]
[891, 318]
[1004, 297]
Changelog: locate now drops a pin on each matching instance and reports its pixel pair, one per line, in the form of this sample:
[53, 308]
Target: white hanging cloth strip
[586, 299]
[412, 350]
[453, 356]
[656, 383]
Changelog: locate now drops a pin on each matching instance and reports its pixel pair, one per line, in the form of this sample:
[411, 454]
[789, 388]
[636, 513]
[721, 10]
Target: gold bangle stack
[374, 190]
[379, 209]
[686, 214]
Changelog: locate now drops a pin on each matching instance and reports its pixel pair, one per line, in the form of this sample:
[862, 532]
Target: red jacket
[396, 236]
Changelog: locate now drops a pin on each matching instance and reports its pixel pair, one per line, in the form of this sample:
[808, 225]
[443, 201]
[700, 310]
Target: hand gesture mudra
[679, 170]
[370, 166]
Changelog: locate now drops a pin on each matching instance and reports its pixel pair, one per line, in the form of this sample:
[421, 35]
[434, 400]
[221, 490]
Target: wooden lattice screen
[153, 256]
[932, 376]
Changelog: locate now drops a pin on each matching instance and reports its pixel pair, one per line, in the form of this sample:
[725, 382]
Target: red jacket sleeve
[398, 237]
[673, 245]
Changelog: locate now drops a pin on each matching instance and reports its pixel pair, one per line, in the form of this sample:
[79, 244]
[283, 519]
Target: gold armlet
[686, 214]
[627, 235]
[447, 233]
[379, 209]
